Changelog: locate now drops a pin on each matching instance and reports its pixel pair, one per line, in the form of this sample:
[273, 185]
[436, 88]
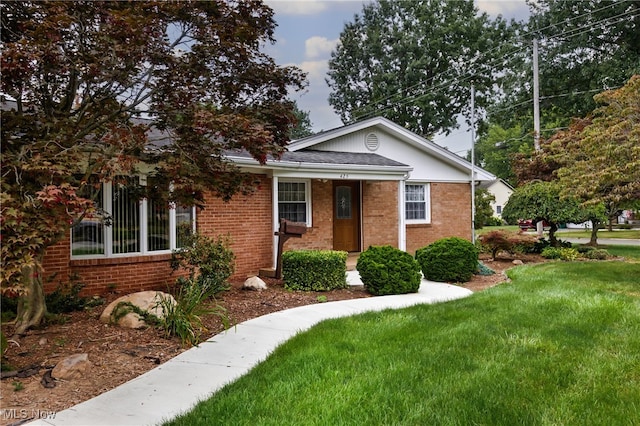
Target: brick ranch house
[368, 183]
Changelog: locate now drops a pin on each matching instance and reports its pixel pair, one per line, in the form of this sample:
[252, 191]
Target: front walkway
[178, 384]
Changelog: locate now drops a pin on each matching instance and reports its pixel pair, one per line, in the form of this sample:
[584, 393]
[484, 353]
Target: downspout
[275, 224]
[402, 226]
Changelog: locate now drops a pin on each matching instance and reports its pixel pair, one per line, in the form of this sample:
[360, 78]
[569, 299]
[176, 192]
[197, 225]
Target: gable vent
[371, 142]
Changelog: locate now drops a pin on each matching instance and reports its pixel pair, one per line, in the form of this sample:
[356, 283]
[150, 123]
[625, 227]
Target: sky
[307, 33]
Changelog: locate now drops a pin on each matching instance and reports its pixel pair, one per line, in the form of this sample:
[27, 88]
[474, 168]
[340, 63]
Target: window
[417, 206]
[135, 225]
[293, 201]
[499, 209]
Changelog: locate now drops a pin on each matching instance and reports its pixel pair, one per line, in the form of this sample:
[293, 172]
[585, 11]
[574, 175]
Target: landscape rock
[72, 367]
[254, 283]
[518, 262]
[145, 300]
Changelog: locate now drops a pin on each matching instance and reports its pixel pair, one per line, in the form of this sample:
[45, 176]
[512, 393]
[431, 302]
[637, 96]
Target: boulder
[72, 367]
[518, 262]
[145, 300]
[254, 283]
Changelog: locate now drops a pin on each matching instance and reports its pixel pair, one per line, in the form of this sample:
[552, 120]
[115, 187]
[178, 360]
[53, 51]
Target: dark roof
[160, 139]
[310, 156]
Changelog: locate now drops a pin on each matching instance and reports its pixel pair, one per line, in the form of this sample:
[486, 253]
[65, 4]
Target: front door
[346, 215]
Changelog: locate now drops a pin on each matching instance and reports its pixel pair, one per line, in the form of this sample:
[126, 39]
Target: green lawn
[629, 234]
[628, 252]
[573, 233]
[558, 345]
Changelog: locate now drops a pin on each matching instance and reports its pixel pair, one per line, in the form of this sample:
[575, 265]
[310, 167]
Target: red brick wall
[450, 216]
[248, 221]
[380, 213]
[320, 235]
[251, 242]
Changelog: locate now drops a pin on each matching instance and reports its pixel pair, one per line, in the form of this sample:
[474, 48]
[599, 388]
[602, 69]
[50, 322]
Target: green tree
[542, 201]
[495, 149]
[411, 62]
[484, 211]
[303, 126]
[584, 47]
[82, 74]
[601, 155]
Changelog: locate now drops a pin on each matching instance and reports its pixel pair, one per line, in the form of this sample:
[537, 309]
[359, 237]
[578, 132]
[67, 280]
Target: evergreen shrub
[388, 270]
[448, 260]
[314, 270]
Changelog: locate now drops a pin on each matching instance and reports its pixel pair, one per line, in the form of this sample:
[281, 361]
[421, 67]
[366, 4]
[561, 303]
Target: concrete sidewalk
[178, 384]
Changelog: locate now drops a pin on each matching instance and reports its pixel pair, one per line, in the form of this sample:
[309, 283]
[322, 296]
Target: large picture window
[417, 207]
[134, 226]
[293, 201]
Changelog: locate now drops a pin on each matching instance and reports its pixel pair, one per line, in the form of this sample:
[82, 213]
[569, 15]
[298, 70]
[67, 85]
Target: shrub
[562, 253]
[184, 317]
[208, 260]
[314, 270]
[597, 254]
[66, 298]
[484, 269]
[448, 259]
[500, 240]
[388, 270]
[494, 221]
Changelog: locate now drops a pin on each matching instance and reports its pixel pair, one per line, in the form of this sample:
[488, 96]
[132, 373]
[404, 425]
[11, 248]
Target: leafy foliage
[542, 201]
[81, 74]
[603, 164]
[388, 270]
[484, 212]
[448, 260]
[499, 240]
[408, 61]
[562, 253]
[184, 317]
[208, 260]
[66, 298]
[584, 47]
[314, 270]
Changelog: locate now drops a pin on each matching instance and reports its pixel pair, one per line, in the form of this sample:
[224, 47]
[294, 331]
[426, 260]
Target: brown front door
[346, 215]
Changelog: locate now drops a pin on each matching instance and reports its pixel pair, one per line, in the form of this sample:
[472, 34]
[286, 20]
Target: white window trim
[307, 197]
[107, 195]
[427, 200]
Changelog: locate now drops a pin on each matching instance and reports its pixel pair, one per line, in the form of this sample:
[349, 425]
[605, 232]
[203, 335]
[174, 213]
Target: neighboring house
[368, 183]
[501, 190]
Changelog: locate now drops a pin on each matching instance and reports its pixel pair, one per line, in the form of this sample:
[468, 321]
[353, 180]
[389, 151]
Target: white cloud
[317, 46]
[516, 9]
[296, 7]
[316, 70]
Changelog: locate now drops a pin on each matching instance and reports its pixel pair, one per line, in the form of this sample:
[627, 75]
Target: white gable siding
[425, 166]
[501, 192]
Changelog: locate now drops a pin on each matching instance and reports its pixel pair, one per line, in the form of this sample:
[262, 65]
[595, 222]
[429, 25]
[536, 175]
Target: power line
[491, 67]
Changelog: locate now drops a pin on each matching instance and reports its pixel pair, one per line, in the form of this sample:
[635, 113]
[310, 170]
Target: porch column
[402, 226]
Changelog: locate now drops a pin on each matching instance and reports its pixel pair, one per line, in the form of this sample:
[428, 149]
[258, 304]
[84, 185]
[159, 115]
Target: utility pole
[536, 98]
[473, 167]
[536, 116]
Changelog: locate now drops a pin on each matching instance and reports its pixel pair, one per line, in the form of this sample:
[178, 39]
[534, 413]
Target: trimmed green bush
[597, 254]
[388, 270]
[314, 270]
[562, 253]
[448, 260]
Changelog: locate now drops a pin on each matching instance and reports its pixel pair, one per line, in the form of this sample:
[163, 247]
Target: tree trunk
[552, 234]
[594, 233]
[31, 306]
